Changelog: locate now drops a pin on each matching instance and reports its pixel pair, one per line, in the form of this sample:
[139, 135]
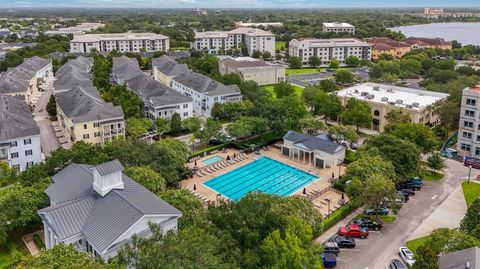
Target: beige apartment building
[338, 27]
[122, 42]
[165, 68]
[84, 116]
[418, 104]
[253, 69]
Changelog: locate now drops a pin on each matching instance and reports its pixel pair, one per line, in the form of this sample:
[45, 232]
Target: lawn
[470, 191]
[383, 218]
[432, 175]
[302, 71]
[280, 44]
[415, 243]
[5, 259]
[298, 89]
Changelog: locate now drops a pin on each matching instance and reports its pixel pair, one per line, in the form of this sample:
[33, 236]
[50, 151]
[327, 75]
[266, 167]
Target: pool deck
[208, 194]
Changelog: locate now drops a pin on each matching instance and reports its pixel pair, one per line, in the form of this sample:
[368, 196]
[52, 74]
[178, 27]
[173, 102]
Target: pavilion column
[46, 235]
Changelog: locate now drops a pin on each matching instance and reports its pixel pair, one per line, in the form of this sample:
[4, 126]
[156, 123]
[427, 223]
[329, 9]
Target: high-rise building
[469, 123]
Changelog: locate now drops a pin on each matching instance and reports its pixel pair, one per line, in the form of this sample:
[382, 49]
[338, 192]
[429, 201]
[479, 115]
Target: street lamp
[469, 173]
[328, 201]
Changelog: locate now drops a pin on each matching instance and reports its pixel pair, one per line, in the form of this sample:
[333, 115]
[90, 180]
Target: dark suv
[370, 224]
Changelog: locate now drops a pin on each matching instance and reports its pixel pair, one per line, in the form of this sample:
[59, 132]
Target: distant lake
[467, 33]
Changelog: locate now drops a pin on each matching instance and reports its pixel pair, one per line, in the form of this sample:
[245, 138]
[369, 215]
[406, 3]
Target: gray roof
[16, 120]
[320, 142]
[459, 259]
[204, 84]
[178, 54]
[124, 68]
[17, 79]
[75, 72]
[78, 209]
[85, 104]
[109, 167]
[154, 92]
[169, 66]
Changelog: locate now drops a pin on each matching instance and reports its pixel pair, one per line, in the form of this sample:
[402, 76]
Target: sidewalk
[328, 233]
[448, 214]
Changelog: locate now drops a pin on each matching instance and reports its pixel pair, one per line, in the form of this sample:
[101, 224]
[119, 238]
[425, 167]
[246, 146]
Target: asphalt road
[47, 134]
[382, 246]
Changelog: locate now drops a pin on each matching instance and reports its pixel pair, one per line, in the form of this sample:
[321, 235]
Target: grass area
[5, 259]
[280, 44]
[415, 243]
[383, 218]
[432, 175]
[302, 71]
[298, 89]
[38, 241]
[470, 191]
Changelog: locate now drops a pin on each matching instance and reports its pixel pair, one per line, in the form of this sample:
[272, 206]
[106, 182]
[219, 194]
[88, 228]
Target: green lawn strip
[5, 258]
[302, 71]
[471, 191]
[270, 88]
[431, 175]
[383, 218]
[415, 243]
[279, 45]
[298, 90]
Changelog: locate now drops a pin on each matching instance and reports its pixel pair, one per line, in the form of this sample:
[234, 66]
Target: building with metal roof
[122, 42]
[98, 209]
[124, 68]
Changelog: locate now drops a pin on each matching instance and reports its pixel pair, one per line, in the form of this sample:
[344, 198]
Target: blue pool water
[263, 175]
[211, 160]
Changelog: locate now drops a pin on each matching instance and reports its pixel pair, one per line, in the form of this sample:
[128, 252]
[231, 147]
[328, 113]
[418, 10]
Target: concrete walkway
[448, 214]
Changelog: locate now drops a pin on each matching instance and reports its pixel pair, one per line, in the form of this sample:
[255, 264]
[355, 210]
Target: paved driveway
[47, 133]
[377, 251]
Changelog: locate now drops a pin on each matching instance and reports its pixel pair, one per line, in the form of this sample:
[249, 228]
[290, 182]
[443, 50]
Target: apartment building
[338, 27]
[432, 43]
[84, 116]
[26, 79]
[75, 72]
[160, 100]
[328, 49]
[205, 92]
[253, 69]
[217, 41]
[82, 28]
[469, 124]
[258, 24]
[382, 99]
[165, 68]
[19, 134]
[122, 42]
[385, 45]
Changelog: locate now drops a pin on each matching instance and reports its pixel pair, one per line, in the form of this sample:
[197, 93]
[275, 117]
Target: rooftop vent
[415, 104]
[384, 99]
[408, 106]
[363, 93]
[399, 101]
[370, 96]
[389, 90]
[355, 91]
[376, 88]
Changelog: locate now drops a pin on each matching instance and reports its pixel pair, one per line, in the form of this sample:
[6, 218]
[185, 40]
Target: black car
[344, 242]
[215, 142]
[370, 224]
[397, 264]
[405, 197]
[408, 185]
[408, 192]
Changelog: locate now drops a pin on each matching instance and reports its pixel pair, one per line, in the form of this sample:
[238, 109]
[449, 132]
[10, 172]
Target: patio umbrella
[343, 196]
[304, 190]
[194, 187]
[195, 162]
[234, 155]
[228, 157]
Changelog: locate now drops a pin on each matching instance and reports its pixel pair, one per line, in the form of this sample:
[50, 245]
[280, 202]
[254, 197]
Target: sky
[238, 3]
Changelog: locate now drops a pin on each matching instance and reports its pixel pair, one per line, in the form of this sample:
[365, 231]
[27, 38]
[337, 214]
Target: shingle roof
[459, 259]
[102, 220]
[74, 73]
[17, 79]
[155, 92]
[169, 66]
[204, 84]
[16, 120]
[239, 63]
[124, 68]
[85, 104]
[109, 167]
[318, 142]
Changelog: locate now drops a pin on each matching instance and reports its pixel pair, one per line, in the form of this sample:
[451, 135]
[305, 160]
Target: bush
[208, 150]
[339, 214]
[262, 140]
[38, 241]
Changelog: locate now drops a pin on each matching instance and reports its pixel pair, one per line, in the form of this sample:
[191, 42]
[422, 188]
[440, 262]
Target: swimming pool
[211, 160]
[263, 175]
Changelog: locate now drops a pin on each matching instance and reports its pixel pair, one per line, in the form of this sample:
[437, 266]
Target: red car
[353, 230]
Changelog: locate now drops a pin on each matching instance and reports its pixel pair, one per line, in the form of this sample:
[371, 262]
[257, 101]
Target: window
[465, 147]
[16, 167]
[185, 105]
[29, 164]
[13, 144]
[96, 124]
[468, 124]
[477, 151]
[14, 155]
[27, 141]
[85, 126]
[185, 114]
[469, 113]
[28, 152]
[376, 113]
[86, 136]
[471, 102]
[97, 134]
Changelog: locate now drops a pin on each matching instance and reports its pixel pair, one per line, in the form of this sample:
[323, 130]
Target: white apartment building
[338, 27]
[328, 49]
[469, 124]
[205, 92]
[257, 24]
[122, 42]
[19, 134]
[82, 28]
[253, 38]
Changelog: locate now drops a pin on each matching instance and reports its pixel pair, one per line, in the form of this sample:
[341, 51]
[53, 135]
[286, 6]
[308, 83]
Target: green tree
[52, 108]
[343, 76]
[314, 61]
[283, 89]
[352, 61]
[327, 104]
[471, 222]
[357, 113]
[257, 54]
[194, 212]
[231, 79]
[396, 116]
[209, 131]
[294, 62]
[311, 125]
[368, 164]
[162, 126]
[334, 63]
[417, 133]
[435, 161]
[266, 55]
[176, 123]
[8, 175]
[343, 133]
[148, 178]
[192, 124]
[376, 72]
[328, 85]
[136, 127]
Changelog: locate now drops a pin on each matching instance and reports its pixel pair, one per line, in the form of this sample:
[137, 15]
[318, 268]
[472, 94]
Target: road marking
[434, 197]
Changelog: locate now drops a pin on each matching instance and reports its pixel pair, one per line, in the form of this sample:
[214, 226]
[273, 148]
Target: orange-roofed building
[385, 45]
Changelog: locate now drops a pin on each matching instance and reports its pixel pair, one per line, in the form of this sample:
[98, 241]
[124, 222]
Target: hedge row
[339, 214]
[38, 241]
[208, 150]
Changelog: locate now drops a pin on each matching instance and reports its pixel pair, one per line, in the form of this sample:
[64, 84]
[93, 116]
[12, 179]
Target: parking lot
[382, 246]
[304, 80]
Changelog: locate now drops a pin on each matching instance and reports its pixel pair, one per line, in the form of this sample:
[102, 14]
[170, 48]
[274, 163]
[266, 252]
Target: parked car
[344, 242]
[404, 196]
[389, 204]
[408, 192]
[353, 230]
[331, 247]
[380, 211]
[329, 260]
[417, 180]
[409, 185]
[370, 224]
[407, 256]
[397, 264]
[215, 142]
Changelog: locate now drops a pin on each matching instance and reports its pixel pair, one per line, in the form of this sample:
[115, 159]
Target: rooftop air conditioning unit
[399, 101]
[370, 96]
[384, 99]
[408, 106]
[376, 88]
[391, 103]
[389, 90]
[364, 93]
[415, 104]
[355, 91]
